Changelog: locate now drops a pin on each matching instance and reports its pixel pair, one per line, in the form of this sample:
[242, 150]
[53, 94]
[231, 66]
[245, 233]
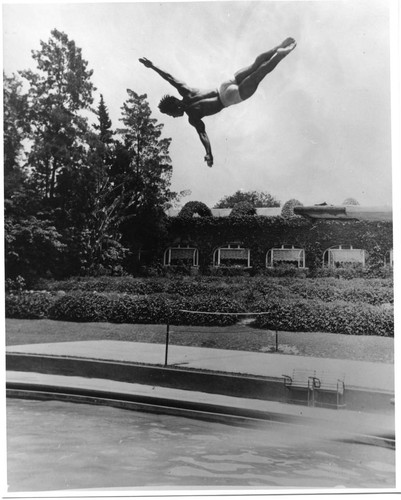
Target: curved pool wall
[241, 386]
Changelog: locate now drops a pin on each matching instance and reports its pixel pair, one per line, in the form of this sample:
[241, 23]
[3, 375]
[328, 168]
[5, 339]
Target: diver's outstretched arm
[200, 128]
[182, 87]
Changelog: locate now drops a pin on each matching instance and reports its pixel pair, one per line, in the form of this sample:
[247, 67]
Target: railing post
[167, 340]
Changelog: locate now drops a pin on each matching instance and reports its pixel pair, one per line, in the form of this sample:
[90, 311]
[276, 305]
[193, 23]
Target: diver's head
[172, 106]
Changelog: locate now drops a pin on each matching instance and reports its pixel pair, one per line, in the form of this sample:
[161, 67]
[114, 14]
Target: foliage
[33, 248]
[155, 309]
[94, 208]
[243, 208]
[142, 175]
[357, 307]
[29, 305]
[16, 129]
[256, 198]
[57, 93]
[288, 208]
[16, 285]
[103, 197]
[350, 201]
[335, 317]
[192, 208]
[260, 234]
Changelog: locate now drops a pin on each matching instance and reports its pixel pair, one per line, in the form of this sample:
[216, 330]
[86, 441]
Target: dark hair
[169, 104]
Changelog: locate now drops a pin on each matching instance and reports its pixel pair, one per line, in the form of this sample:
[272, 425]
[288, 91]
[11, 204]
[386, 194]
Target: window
[343, 256]
[178, 256]
[287, 254]
[232, 255]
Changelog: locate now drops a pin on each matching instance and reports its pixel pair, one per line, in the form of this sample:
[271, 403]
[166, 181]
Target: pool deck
[361, 374]
[364, 376]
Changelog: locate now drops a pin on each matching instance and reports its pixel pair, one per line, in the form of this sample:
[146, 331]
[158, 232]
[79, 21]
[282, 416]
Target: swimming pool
[55, 445]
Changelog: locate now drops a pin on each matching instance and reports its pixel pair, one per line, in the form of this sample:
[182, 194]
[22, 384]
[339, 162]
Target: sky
[318, 129]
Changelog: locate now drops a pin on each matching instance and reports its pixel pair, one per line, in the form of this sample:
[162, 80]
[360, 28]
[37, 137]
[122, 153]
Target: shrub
[126, 284]
[288, 208]
[29, 305]
[82, 307]
[195, 207]
[334, 317]
[359, 306]
[155, 309]
[16, 285]
[243, 208]
[205, 304]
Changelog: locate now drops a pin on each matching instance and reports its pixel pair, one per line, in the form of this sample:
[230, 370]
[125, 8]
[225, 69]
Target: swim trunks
[229, 93]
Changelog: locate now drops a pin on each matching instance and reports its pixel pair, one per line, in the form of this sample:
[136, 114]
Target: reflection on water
[54, 445]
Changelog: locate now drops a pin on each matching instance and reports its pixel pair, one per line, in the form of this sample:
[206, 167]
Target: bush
[243, 208]
[29, 305]
[82, 307]
[126, 284]
[195, 207]
[334, 317]
[206, 304]
[16, 285]
[288, 208]
[359, 306]
[156, 309]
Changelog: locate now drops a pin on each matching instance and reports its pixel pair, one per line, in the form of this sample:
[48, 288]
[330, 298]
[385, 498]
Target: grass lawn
[237, 337]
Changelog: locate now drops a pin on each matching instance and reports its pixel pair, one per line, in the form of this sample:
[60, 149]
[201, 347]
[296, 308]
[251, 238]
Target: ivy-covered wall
[259, 234]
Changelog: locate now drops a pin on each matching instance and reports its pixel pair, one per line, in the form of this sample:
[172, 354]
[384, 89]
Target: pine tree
[16, 128]
[58, 92]
[142, 173]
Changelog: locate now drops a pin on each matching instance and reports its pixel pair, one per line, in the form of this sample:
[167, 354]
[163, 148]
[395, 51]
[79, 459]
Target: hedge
[318, 316]
[282, 314]
[156, 309]
[29, 305]
[372, 291]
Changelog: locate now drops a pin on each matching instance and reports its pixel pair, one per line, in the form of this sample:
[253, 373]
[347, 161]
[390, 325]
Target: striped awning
[347, 255]
[234, 253]
[287, 254]
[182, 253]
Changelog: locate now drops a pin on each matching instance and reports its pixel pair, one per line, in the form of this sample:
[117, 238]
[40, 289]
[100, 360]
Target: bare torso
[200, 103]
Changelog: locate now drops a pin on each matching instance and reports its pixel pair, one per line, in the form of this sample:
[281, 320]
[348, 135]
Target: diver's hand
[146, 62]
[209, 160]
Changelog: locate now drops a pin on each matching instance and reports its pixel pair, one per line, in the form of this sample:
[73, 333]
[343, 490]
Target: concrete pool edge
[188, 379]
[355, 428]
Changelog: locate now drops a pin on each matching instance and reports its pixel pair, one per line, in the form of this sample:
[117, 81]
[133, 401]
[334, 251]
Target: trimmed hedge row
[156, 309]
[34, 305]
[335, 317]
[372, 291]
[282, 314]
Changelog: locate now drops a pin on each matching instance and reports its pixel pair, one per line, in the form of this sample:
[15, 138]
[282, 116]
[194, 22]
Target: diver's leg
[247, 87]
[261, 59]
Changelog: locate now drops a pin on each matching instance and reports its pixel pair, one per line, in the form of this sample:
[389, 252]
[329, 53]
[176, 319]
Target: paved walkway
[359, 374]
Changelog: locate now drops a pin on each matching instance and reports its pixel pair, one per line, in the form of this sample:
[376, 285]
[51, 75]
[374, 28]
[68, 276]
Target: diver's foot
[287, 41]
[286, 47]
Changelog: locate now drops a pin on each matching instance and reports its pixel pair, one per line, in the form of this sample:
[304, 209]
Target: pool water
[54, 445]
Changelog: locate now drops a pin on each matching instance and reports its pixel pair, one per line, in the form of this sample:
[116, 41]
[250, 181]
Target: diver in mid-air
[199, 103]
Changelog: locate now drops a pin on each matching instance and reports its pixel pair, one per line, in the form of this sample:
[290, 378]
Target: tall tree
[256, 198]
[16, 128]
[58, 92]
[142, 173]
